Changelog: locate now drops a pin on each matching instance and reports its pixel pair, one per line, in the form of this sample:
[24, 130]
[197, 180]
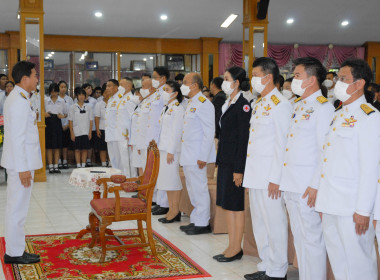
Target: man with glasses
[349, 177]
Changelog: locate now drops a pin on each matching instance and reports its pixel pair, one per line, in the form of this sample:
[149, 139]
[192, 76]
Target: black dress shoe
[32, 255]
[238, 256]
[255, 276]
[51, 170]
[24, 259]
[56, 170]
[60, 166]
[184, 228]
[198, 230]
[160, 211]
[154, 204]
[155, 207]
[175, 219]
[65, 166]
[266, 277]
[218, 256]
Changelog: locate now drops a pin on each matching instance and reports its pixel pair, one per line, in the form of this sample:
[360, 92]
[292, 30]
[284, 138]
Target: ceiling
[316, 22]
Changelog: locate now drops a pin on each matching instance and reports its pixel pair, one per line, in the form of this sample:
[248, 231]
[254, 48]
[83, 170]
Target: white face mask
[328, 83]
[297, 87]
[166, 97]
[185, 90]
[226, 87]
[144, 92]
[287, 93]
[340, 91]
[257, 85]
[155, 83]
[135, 99]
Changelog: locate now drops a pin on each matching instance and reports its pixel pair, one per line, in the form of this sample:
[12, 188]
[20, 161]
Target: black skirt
[93, 140]
[53, 132]
[66, 140]
[228, 196]
[100, 143]
[82, 143]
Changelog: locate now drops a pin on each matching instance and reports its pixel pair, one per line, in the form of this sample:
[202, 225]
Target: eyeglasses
[343, 79]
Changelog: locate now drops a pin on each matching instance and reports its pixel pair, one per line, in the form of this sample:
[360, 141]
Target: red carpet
[63, 257]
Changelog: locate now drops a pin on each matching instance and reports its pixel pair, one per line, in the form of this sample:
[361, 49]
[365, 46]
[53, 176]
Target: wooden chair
[106, 211]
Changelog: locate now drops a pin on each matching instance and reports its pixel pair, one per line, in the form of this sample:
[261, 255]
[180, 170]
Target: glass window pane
[135, 65]
[4, 62]
[56, 68]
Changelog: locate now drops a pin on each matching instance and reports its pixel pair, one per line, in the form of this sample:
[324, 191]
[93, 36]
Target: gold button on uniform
[291, 135]
[183, 141]
[253, 130]
[325, 159]
[287, 149]
[296, 121]
[249, 142]
[322, 176]
[285, 164]
[247, 155]
[328, 144]
[334, 128]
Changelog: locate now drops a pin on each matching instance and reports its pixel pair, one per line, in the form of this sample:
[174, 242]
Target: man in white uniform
[270, 123]
[111, 131]
[21, 157]
[349, 177]
[197, 149]
[329, 83]
[3, 81]
[311, 120]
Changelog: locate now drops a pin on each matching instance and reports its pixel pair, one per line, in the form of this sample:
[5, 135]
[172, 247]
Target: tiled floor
[57, 207]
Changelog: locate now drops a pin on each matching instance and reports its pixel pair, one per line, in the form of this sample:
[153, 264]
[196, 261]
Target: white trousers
[18, 199]
[306, 227]
[133, 170]
[114, 154]
[351, 256]
[161, 198]
[270, 228]
[196, 183]
[124, 158]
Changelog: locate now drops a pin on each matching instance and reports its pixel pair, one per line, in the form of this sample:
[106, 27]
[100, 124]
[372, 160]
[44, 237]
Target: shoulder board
[368, 110]
[258, 100]
[338, 108]
[275, 99]
[298, 99]
[322, 99]
[177, 104]
[23, 95]
[202, 99]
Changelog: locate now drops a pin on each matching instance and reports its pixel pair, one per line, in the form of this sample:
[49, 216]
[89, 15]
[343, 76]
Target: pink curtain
[318, 52]
[230, 55]
[281, 53]
[342, 53]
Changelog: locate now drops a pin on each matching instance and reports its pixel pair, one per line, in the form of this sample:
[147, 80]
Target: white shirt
[57, 107]
[21, 149]
[270, 123]
[100, 112]
[198, 132]
[310, 124]
[123, 119]
[226, 104]
[330, 96]
[92, 102]
[171, 123]
[350, 164]
[2, 100]
[81, 121]
[68, 101]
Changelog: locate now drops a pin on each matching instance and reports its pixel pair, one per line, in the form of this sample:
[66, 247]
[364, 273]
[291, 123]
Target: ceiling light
[98, 14]
[345, 23]
[121, 55]
[18, 16]
[229, 20]
[52, 52]
[144, 59]
[151, 57]
[290, 21]
[47, 57]
[50, 55]
[164, 17]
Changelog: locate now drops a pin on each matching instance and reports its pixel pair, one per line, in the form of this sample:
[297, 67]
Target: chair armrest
[136, 179]
[104, 181]
[144, 187]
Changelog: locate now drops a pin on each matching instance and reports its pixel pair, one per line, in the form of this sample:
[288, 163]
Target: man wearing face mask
[270, 120]
[329, 83]
[197, 149]
[349, 177]
[287, 91]
[311, 120]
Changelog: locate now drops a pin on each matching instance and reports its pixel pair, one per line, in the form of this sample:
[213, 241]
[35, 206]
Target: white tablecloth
[85, 179]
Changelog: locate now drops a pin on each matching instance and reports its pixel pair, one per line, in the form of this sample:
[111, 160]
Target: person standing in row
[287, 91]
[219, 98]
[329, 83]
[55, 111]
[90, 101]
[111, 132]
[100, 116]
[311, 120]
[3, 81]
[66, 139]
[270, 122]
[9, 86]
[349, 177]
[231, 156]
[197, 149]
[80, 122]
[21, 157]
[169, 144]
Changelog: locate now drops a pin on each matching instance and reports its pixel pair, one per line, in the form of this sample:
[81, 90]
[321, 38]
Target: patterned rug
[64, 257]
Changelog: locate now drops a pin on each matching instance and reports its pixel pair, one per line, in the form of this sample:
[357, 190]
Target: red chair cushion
[129, 186]
[118, 179]
[106, 206]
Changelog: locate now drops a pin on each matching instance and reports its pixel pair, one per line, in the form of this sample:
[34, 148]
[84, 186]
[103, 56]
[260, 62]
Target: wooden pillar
[252, 26]
[210, 46]
[32, 14]
[373, 58]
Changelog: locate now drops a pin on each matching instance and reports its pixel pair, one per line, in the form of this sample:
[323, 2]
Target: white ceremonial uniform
[69, 102]
[123, 123]
[171, 123]
[21, 152]
[330, 96]
[310, 124]
[35, 99]
[81, 121]
[198, 144]
[100, 98]
[270, 122]
[100, 112]
[376, 212]
[112, 136]
[348, 184]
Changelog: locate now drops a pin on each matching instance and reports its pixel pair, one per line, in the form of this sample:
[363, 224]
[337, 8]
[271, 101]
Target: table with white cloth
[85, 178]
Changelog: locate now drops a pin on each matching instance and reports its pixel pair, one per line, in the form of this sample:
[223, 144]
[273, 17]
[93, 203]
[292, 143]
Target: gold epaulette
[177, 104]
[258, 100]
[297, 99]
[322, 99]
[368, 110]
[202, 99]
[23, 95]
[275, 99]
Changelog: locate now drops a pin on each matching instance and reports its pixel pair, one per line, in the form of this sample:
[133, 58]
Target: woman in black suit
[232, 153]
